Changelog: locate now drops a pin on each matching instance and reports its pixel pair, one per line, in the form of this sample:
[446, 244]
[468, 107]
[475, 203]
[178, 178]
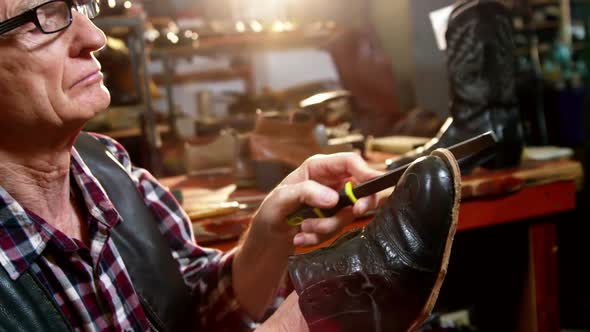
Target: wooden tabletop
[488, 198]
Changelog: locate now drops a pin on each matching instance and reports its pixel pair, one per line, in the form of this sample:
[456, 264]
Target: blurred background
[195, 84]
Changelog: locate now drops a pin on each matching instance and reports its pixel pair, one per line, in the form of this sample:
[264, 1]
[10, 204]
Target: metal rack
[133, 28]
[243, 44]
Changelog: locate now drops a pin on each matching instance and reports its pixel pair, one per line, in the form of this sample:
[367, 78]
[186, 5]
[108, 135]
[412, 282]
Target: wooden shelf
[209, 75]
[538, 3]
[545, 48]
[249, 42]
[541, 26]
[133, 132]
[544, 3]
[119, 25]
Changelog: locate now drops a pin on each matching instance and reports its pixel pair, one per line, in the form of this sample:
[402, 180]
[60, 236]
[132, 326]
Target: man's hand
[287, 318]
[260, 262]
[316, 183]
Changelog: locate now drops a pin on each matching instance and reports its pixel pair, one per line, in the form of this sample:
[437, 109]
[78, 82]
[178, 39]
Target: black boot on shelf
[481, 66]
[385, 277]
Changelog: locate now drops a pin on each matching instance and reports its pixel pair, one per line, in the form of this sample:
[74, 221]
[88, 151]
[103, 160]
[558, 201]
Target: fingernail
[298, 240]
[328, 196]
[362, 206]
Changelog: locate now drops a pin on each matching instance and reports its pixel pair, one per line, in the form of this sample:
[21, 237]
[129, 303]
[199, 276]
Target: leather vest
[25, 304]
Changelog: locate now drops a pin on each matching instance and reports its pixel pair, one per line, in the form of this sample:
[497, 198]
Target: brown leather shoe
[387, 275]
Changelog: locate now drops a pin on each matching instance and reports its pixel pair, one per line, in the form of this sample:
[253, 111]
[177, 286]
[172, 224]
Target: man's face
[49, 81]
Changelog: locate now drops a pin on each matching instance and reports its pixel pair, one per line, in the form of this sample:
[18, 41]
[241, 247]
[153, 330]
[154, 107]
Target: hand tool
[468, 152]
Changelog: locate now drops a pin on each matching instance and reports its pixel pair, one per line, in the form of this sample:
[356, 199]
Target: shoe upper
[481, 67]
[385, 276]
[415, 222]
[408, 232]
[480, 58]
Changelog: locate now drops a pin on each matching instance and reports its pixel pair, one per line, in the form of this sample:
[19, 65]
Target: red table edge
[529, 202]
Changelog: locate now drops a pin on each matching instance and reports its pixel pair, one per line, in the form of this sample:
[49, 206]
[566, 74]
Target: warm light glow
[152, 34]
[289, 26]
[172, 37]
[127, 4]
[261, 10]
[173, 27]
[240, 26]
[112, 3]
[278, 26]
[256, 26]
[192, 35]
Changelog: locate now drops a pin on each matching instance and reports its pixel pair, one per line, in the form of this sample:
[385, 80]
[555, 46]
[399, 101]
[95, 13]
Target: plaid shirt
[91, 284]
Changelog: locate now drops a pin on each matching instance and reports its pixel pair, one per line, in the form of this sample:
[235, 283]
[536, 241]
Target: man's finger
[332, 169]
[285, 199]
[329, 226]
[305, 239]
[364, 205]
[339, 165]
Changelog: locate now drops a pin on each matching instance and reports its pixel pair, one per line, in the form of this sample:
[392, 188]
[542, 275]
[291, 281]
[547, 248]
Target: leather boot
[364, 69]
[480, 61]
[279, 143]
[385, 277]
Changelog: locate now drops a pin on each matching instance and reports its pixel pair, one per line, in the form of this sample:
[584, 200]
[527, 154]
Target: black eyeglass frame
[31, 16]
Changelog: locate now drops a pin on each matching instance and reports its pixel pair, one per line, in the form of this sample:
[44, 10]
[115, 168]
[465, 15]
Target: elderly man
[57, 221]
[89, 242]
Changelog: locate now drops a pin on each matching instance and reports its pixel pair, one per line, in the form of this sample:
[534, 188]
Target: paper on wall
[440, 20]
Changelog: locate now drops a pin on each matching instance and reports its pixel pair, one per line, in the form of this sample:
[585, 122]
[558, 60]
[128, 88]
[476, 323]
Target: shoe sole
[451, 162]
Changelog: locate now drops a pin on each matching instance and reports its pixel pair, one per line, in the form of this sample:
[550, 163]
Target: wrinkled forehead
[10, 8]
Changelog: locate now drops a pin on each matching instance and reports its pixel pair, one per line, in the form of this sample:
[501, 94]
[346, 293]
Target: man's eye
[32, 28]
[26, 28]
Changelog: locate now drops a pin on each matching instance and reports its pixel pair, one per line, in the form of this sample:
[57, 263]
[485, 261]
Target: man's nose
[88, 37]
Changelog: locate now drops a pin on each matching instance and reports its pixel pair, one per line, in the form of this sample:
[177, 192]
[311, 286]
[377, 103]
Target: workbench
[534, 196]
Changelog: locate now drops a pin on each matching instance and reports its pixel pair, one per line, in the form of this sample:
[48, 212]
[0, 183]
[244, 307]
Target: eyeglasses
[52, 16]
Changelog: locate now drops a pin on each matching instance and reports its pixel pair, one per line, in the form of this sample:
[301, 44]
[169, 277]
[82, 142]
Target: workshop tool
[467, 153]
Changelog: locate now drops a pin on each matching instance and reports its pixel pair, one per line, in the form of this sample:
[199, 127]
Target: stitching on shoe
[403, 256]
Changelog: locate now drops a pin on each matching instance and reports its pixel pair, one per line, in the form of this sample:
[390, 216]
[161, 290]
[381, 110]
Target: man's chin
[101, 103]
[106, 99]
[91, 113]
